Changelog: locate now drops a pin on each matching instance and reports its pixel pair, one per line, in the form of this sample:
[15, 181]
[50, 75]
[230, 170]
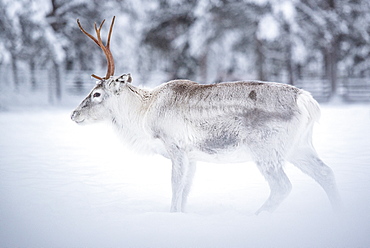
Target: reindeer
[268, 123]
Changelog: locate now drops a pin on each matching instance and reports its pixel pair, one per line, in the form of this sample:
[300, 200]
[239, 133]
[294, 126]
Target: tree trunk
[289, 55]
[203, 65]
[15, 72]
[333, 55]
[289, 64]
[334, 66]
[55, 89]
[33, 74]
[260, 60]
[331, 64]
[58, 85]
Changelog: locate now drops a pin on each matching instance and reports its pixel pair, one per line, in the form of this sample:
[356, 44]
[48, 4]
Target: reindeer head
[95, 107]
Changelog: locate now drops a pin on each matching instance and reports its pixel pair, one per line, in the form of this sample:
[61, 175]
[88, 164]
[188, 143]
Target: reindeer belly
[224, 147]
[235, 141]
[230, 155]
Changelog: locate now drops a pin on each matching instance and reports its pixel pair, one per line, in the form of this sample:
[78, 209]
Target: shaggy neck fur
[128, 111]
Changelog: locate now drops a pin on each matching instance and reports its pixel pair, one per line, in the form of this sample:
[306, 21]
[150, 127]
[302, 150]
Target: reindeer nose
[74, 115]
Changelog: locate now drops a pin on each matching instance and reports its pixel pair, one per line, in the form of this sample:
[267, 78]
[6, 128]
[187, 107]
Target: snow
[287, 9]
[268, 28]
[65, 185]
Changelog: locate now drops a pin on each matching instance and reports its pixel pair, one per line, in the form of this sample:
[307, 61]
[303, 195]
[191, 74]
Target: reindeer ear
[117, 84]
[125, 78]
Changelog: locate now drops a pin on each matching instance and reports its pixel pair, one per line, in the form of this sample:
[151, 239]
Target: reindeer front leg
[189, 180]
[182, 175]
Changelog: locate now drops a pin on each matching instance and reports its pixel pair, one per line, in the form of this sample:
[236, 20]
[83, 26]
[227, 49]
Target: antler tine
[86, 33]
[97, 77]
[110, 71]
[97, 31]
[101, 25]
[110, 32]
[99, 42]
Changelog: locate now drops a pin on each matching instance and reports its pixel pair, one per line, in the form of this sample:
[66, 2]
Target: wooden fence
[349, 89]
[319, 88]
[356, 89]
[78, 83]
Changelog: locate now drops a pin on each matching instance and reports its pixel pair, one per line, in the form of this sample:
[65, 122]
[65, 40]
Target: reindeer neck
[128, 112]
[143, 95]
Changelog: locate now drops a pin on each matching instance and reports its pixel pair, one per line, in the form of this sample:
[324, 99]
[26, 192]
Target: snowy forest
[313, 44]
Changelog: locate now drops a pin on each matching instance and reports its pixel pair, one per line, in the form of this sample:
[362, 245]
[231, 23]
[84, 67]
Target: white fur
[268, 123]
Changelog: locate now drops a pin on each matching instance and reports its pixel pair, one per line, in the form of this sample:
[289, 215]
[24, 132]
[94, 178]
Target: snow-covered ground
[64, 185]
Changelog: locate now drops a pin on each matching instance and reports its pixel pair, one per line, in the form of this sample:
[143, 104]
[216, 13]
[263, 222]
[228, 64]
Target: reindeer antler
[99, 42]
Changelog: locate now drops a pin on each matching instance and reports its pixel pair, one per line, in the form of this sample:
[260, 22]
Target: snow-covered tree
[204, 40]
[10, 35]
[336, 33]
[167, 39]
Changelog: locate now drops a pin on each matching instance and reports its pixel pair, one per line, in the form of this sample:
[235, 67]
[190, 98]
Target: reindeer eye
[96, 94]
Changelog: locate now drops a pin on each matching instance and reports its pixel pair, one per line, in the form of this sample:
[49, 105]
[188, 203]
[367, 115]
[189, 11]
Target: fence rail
[356, 89]
[350, 89]
[319, 88]
[75, 84]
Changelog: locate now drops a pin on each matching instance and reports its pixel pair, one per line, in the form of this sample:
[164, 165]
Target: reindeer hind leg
[278, 181]
[307, 160]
